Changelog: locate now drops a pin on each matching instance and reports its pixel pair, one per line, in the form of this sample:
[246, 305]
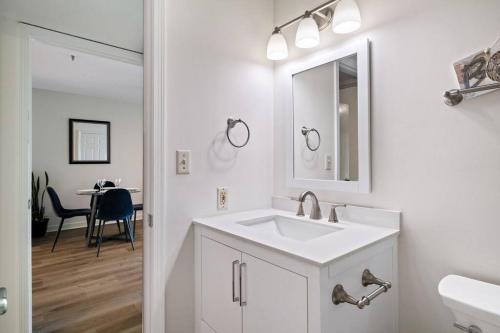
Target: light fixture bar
[312, 11]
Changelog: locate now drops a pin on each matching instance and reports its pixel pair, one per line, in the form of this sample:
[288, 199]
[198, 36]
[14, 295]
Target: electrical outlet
[222, 194]
[183, 162]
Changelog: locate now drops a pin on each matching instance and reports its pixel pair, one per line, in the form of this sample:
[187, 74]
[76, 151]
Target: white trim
[336, 119]
[81, 45]
[24, 131]
[155, 170]
[77, 224]
[362, 49]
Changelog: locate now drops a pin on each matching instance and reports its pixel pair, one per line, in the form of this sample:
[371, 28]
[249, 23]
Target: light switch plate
[328, 162]
[183, 162]
[222, 194]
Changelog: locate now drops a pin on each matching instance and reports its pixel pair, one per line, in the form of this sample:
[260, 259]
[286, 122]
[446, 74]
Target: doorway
[87, 140]
[15, 127]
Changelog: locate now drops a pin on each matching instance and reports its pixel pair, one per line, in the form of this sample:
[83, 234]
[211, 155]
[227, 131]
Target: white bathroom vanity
[269, 271]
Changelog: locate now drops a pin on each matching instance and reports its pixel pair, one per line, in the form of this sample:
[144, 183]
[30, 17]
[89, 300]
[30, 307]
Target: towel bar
[455, 96]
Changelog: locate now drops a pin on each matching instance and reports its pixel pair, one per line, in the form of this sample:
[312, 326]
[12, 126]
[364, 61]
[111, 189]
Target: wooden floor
[74, 291]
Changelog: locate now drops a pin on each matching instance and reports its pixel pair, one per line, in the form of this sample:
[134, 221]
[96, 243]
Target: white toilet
[475, 304]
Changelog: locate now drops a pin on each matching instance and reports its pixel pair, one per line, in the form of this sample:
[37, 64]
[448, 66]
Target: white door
[14, 212]
[276, 299]
[220, 308]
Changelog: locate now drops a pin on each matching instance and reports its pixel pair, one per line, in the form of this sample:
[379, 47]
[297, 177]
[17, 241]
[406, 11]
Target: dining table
[94, 194]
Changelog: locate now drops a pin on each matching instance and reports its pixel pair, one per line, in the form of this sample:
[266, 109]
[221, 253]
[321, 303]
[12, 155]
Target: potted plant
[39, 221]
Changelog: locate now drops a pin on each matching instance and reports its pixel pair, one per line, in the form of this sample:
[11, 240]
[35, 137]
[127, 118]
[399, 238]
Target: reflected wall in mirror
[330, 122]
[325, 117]
[89, 142]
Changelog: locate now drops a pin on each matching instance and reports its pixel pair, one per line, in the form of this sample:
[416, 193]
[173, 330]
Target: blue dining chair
[64, 213]
[96, 187]
[115, 205]
[98, 198]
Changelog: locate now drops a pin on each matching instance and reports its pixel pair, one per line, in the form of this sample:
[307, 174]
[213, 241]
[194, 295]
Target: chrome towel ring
[305, 132]
[231, 123]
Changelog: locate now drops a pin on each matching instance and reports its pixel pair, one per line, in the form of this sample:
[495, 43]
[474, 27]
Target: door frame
[154, 157]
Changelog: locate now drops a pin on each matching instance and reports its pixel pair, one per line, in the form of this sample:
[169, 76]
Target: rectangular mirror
[330, 122]
[89, 141]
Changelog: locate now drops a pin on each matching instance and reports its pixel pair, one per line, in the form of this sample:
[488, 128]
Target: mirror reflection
[325, 121]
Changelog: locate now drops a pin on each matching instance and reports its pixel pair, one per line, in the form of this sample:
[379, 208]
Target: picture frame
[89, 141]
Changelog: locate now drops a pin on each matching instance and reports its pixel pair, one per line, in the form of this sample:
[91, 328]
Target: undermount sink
[290, 228]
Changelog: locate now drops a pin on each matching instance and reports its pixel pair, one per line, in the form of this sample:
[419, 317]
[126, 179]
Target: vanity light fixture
[307, 33]
[345, 18]
[277, 48]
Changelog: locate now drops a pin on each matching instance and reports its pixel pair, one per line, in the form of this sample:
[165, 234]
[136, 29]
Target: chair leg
[57, 235]
[100, 236]
[87, 217]
[118, 225]
[135, 219]
[129, 231]
[125, 230]
[98, 232]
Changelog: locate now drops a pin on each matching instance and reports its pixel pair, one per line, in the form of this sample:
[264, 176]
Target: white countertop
[321, 250]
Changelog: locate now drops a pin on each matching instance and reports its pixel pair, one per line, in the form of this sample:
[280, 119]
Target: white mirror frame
[363, 184]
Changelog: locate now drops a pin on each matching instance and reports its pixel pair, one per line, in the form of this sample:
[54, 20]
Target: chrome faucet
[315, 210]
[333, 214]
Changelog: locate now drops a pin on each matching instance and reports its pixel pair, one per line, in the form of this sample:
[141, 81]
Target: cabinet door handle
[236, 298]
[243, 286]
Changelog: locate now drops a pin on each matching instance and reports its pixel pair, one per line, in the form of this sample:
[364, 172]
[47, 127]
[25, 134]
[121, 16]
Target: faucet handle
[300, 211]
[333, 214]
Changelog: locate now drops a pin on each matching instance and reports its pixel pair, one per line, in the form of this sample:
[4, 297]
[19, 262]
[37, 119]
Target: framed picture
[478, 69]
[89, 141]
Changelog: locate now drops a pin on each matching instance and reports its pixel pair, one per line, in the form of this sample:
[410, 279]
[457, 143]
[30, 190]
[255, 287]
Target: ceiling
[90, 75]
[116, 22]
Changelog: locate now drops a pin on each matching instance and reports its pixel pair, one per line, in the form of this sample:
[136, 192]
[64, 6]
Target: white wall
[313, 107]
[51, 113]
[217, 68]
[117, 22]
[439, 165]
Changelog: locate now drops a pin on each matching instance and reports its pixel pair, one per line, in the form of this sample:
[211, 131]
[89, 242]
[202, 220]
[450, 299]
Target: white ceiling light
[277, 48]
[346, 17]
[307, 33]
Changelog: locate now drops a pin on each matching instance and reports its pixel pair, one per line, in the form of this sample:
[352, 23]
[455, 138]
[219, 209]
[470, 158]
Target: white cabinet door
[276, 299]
[219, 280]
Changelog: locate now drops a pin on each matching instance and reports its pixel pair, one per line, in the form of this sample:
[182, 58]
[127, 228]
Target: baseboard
[77, 223]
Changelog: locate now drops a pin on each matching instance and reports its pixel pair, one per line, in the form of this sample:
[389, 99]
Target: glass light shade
[277, 48]
[346, 17]
[307, 33]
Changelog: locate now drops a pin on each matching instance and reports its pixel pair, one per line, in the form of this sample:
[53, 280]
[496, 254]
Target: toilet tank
[472, 302]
